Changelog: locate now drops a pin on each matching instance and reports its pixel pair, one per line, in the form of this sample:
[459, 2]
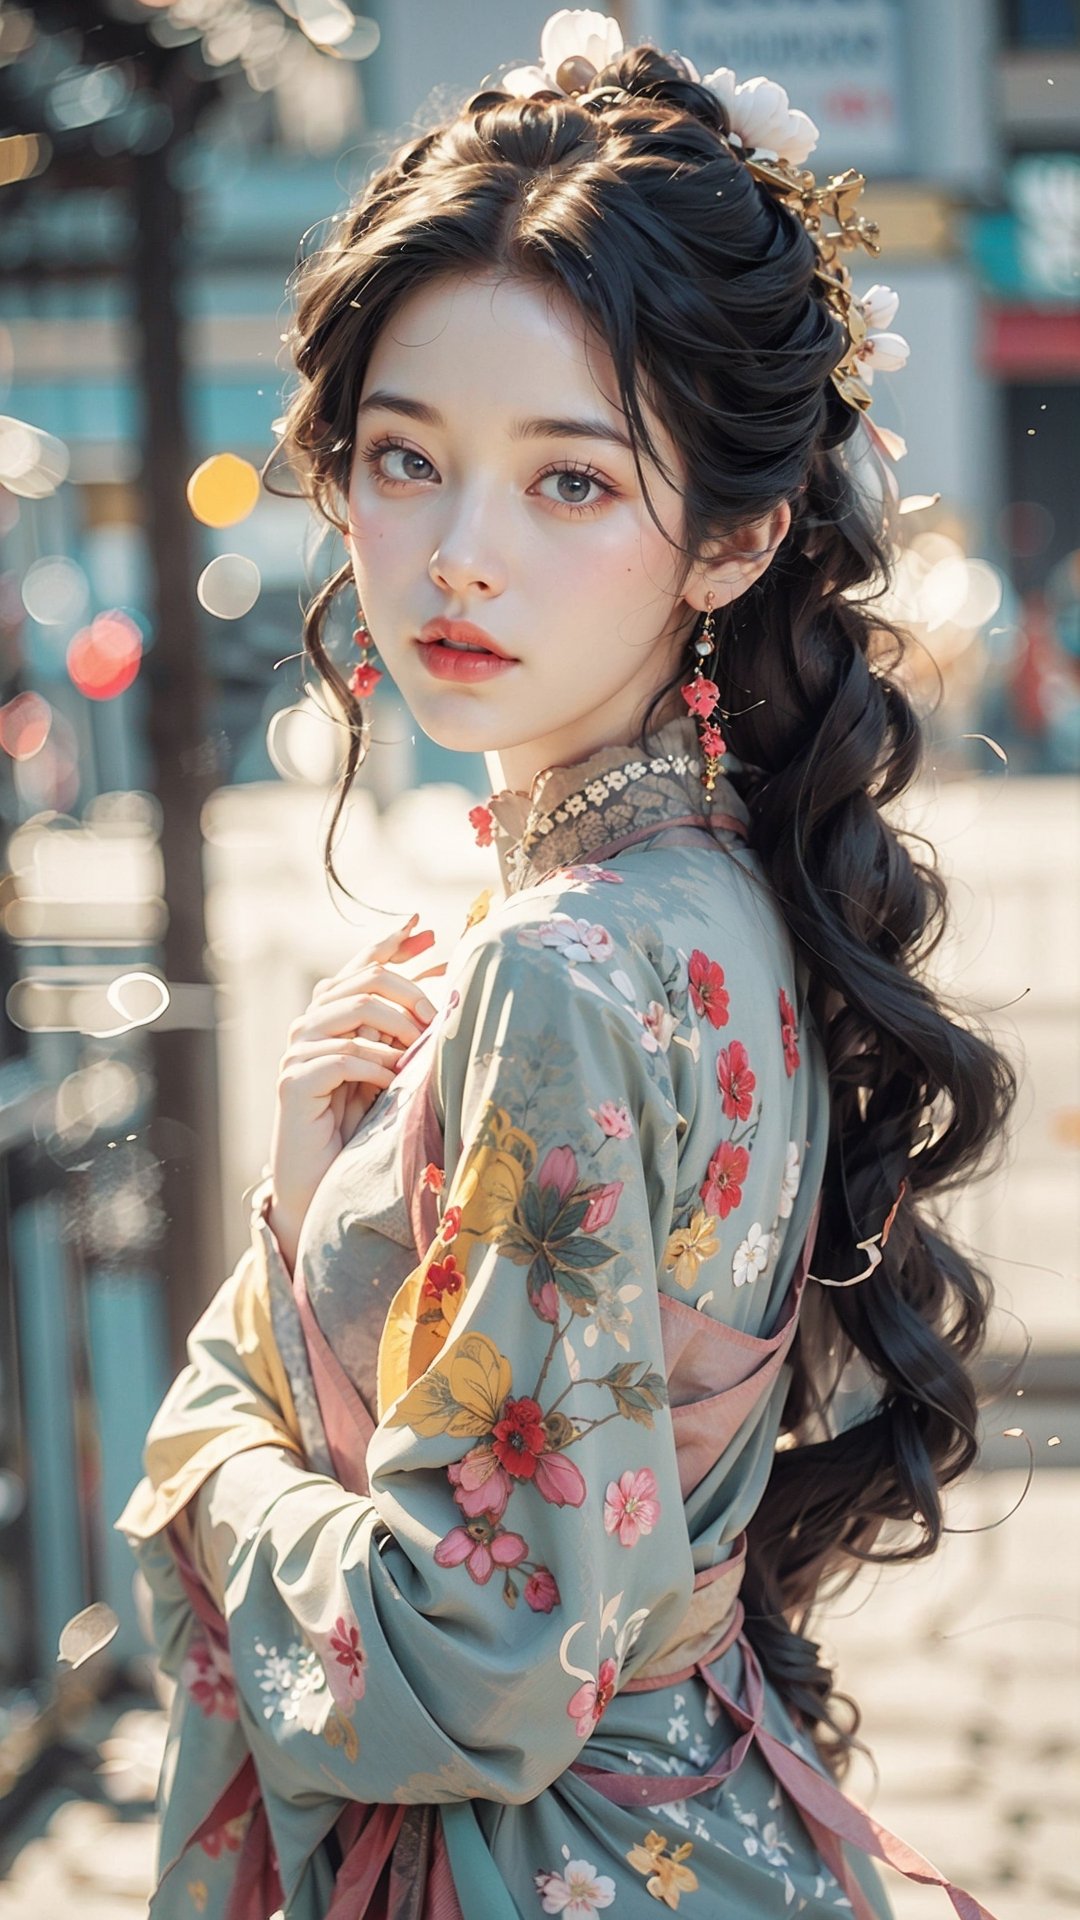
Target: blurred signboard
[1031, 248]
[841, 61]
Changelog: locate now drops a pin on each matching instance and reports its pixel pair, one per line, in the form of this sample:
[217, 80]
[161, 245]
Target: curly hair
[702, 284]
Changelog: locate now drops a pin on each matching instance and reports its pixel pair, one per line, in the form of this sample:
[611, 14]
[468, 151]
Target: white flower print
[751, 1256]
[616, 780]
[577, 940]
[596, 792]
[577, 803]
[789, 1182]
[611, 1314]
[678, 1727]
[289, 1680]
[578, 1891]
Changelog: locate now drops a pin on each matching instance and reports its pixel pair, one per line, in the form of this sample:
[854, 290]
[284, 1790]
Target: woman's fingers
[355, 1012]
[340, 1047]
[397, 944]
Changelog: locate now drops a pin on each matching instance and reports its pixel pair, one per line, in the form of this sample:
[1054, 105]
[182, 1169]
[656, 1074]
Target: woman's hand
[342, 1051]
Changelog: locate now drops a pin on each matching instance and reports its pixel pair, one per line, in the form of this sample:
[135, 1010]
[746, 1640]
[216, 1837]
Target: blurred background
[166, 776]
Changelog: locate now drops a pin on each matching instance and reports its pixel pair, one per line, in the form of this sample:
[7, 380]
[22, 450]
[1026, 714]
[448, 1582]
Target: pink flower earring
[702, 697]
[364, 677]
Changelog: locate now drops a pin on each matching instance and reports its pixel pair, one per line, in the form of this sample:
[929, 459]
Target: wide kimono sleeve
[458, 1630]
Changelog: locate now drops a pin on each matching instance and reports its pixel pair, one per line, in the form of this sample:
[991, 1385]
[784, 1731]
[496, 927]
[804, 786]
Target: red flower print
[519, 1438]
[451, 1225]
[348, 1653]
[443, 1276]
[480, 1484]
[737, 1083]
[701, 696]
[707, 989]
[433, 1177]
[590, 1700]
[789, 1033]
[482, 819]
[541, 1591]
[364, 679]
[206, 1672]
[225, 1839]
[722, 1187]
[482, 1548]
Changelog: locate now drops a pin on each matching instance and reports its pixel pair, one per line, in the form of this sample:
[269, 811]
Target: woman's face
[540, 537]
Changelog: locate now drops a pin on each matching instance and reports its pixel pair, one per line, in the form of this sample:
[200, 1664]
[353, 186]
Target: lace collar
[577, 813]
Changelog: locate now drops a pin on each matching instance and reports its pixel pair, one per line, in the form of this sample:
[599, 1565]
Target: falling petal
[87, 1633]
[1000, 751]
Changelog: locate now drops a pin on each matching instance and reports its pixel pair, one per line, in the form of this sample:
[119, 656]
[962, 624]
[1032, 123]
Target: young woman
[485, 1524]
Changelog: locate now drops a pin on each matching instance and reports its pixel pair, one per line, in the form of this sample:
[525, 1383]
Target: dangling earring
[701, 697]
[364, 677]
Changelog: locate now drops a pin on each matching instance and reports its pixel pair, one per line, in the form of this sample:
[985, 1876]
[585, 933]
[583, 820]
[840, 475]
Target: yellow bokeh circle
[223, 490]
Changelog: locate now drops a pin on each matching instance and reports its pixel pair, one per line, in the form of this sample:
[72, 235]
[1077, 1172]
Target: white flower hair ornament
[773, 139]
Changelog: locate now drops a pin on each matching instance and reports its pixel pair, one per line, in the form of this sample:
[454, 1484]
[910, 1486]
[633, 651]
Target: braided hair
[702, 284]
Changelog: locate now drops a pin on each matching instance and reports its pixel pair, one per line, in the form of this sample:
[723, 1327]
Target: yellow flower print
[338, 1731]
[483, 1197]
[689, 1246]
[668, 1878]
[460, 1394]
[198, 1894]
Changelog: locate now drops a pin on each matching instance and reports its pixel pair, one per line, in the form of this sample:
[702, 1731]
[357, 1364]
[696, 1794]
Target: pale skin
[545, 543]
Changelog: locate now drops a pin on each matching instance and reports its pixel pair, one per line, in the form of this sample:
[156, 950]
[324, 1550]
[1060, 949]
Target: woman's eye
[581, 479]
[575, 482]
[372, 457]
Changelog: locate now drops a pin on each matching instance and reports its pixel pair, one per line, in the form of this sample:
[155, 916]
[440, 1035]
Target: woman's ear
[751, 549]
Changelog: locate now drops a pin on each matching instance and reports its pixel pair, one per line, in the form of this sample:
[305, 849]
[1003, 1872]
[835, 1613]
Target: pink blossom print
[207, 1675]
[789, 1034]
[601, 1205]
[631, 1506]
[541, 1591]
[578, 1892]
[613, 1119]
[736, 1081]
[658, 1023]
[481, 1548]
[579, 941]
[591, 1699]
[721, 1190]
[707, 991]
[481, 1484]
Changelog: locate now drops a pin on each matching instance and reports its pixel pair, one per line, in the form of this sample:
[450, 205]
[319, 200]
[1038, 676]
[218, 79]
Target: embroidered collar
[578, 813]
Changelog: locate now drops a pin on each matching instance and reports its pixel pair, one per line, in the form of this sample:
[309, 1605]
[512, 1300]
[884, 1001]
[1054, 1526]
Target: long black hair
[703, 286]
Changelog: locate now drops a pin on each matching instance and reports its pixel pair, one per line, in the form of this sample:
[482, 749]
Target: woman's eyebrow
[539, 429]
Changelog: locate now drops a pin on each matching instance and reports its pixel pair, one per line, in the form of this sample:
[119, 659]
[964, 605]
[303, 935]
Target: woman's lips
[451, 663]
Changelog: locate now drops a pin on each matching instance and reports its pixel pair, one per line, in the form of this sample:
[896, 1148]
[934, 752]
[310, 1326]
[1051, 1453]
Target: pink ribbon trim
[830, 1815]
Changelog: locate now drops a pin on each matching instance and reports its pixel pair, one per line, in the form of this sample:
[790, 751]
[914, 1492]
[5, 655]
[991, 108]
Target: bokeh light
[223, 490]
[229, 586]
[103, 659]
[32, 463]
[54, 590]
[25, 724]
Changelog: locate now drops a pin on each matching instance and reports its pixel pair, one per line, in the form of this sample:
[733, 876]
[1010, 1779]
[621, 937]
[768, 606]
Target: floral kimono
[445, 1529]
